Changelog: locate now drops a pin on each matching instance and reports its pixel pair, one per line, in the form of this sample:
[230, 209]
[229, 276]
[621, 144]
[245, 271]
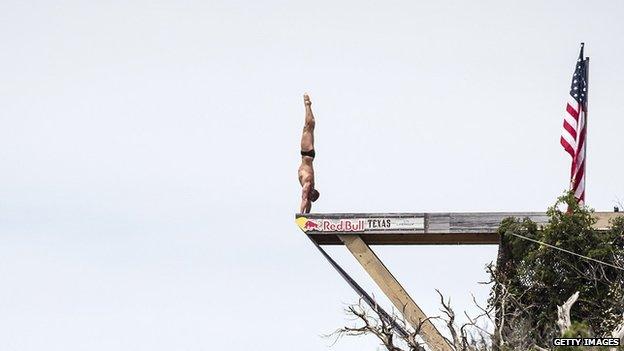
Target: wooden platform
[477, 228]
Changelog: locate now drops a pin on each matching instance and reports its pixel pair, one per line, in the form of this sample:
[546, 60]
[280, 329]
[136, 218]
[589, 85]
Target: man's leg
[307, 138]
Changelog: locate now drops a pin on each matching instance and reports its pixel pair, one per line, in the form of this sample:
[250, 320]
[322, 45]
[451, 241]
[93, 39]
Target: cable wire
[566, 251]
[362, 293]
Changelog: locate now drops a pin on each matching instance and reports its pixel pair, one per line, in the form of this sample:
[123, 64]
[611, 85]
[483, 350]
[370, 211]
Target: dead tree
[467, 337]
[371, 323]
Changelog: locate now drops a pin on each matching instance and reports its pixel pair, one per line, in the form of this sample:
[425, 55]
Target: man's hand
[306, 99]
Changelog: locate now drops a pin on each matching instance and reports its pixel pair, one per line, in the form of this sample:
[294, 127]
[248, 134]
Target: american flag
[574, 135]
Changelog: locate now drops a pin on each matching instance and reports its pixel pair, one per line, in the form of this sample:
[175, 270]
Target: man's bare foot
[306, 99]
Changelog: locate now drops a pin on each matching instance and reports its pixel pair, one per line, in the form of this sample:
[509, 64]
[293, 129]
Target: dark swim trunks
[309, 153]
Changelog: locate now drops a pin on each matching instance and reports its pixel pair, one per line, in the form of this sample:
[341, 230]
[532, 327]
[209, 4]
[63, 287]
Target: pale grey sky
[149, 152]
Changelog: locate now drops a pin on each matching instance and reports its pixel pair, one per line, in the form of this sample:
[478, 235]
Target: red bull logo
[331, 225]
[309, 225]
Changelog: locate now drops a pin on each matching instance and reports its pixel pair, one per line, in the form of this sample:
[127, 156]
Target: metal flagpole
[586, 62]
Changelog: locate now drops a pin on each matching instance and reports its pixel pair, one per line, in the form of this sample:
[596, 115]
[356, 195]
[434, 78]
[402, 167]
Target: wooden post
[395, 292]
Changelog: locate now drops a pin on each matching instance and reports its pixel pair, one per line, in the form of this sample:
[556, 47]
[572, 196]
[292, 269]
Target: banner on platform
[368, 224]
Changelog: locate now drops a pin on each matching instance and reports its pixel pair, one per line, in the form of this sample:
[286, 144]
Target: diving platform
[460, 228]
[356, 231]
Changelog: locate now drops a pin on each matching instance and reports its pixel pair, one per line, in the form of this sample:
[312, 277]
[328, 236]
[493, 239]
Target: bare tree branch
[563, 313]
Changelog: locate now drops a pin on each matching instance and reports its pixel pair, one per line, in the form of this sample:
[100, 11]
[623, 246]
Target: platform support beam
[395, 292]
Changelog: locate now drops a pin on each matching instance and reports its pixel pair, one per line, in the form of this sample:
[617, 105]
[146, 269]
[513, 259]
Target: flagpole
[586, 61]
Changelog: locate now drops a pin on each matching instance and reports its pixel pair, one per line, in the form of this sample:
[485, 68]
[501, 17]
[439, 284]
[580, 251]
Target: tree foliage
[540, 278]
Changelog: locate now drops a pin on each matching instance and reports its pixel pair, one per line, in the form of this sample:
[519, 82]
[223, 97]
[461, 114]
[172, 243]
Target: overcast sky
[149, 152]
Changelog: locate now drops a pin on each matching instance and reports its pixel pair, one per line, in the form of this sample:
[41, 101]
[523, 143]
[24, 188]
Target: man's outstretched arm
[306, 204]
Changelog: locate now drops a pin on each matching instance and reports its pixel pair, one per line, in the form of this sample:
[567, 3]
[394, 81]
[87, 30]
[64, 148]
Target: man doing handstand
[306, 171]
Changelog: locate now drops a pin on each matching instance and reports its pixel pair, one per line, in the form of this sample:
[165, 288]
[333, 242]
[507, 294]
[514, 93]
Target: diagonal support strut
[394, 291]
